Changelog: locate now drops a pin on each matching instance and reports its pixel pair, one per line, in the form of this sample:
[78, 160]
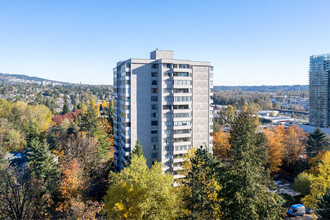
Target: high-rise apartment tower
[164, 103]
[319, 88]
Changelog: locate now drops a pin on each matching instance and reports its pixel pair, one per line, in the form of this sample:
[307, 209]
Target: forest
[63, 168]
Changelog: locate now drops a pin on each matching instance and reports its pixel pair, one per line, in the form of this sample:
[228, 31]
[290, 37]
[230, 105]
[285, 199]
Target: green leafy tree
[138, 192]
[201, 188]
[302, 183]
[317, 141]
[245, 181]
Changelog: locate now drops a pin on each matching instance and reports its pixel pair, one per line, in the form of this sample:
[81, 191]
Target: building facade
[164, 103]
[319, 85]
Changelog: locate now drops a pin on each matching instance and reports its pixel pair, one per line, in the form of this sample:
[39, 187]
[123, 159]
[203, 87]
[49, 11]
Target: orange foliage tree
[71, 190]
[294, 147]
[221, 144]
[275, 137]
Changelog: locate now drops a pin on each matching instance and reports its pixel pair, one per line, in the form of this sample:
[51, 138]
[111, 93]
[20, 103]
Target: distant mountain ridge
[263, 88]
[5, 77]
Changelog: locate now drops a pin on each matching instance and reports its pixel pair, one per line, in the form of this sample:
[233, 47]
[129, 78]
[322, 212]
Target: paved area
[305, 217]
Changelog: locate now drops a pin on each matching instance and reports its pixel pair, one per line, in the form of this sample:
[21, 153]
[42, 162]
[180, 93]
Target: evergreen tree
[138, 150]
[42, 164]
[316, 142]
[32, 133]
[201, 188]
[66, 108]
[245, 181]
[90, 122]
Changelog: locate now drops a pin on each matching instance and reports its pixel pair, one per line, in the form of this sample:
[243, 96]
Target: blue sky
[249, 42]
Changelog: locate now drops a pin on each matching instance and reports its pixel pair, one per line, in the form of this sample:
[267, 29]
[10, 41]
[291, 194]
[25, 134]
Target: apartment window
[182, 115]
[154, 139]
[154, 74]
[167, 115]
[154, 106]
[167, 156]
[166, 107]
[168, 123]
[182, 131]
[154, 155]
[167, 140]
[182, 98]
[168, 82]
[167, 90]
[154, 115]
[181, 90]
[180, 106]
[128, 73]
[153, 123]
[154, 147]
[168, 131]
[154, 131]
[155, 66]
[154, 90]
[182, 82]
[154, 98]
[182, 123]
[167, 99]
[167, 74]
[181, 74]
[154, 82]
[167, 148]
[184, 66]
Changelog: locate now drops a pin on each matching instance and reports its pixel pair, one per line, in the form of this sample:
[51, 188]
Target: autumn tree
[317, 141]
[293, 148]
[22, 196]
[320, 184]
[221, 145]
[138, 192]
[323, 205]
[275, 136]
[227, 115]
[245, 181]
[201, 189]
[71, 191]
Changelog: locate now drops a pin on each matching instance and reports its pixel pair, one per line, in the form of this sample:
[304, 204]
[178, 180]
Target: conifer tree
[201, 188]
[245, 190]
[316, 143]
[66, 108]
[138, 150]
[42, 164]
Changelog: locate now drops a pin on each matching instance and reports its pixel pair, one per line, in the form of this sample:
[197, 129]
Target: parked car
[296, 210]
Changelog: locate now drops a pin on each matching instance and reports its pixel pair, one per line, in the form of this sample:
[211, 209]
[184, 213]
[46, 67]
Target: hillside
[19, 78]
[263, 88]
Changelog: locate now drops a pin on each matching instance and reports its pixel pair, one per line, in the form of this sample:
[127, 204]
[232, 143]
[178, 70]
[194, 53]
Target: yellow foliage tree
[321, 183]
[221, 145]
[275, 136]
[138, 192]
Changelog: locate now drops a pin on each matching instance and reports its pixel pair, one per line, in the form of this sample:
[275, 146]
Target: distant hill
[18, 78]
[263, 88]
